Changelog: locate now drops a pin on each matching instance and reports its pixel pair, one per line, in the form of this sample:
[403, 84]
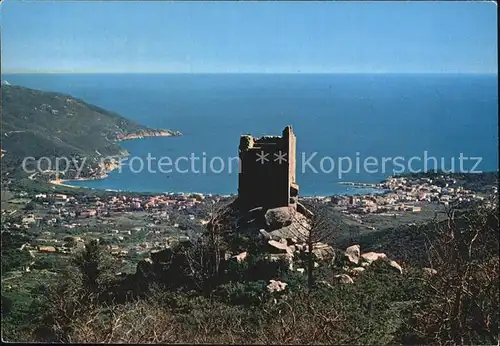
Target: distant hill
[38, 123]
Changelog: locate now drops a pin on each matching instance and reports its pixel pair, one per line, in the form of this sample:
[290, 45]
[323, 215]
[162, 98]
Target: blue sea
[339, 117]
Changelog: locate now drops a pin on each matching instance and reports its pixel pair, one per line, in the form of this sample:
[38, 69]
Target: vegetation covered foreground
[196, 300]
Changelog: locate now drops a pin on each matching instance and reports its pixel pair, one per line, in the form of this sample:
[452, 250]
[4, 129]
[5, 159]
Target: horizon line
[242, 73]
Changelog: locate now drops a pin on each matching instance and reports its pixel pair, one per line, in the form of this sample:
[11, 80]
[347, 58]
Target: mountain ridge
[50, 124]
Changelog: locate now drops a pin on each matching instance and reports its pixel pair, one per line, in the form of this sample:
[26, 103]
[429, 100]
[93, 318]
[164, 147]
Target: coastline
[361, 185]
[354, 191]
[107, 167]
[148, 133]
[355, 188]
[61, 182]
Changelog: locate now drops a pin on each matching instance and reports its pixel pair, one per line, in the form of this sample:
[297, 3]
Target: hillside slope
[38, 123]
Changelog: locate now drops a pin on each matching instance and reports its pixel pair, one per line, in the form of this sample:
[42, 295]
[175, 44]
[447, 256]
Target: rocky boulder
[276, 286]
[353, 253]
[297, 230]
[277, 218]
[344, 279]
[369, 257]
[396, 266]
[323, 252]
[300, 247]
[241, 257]
[280, 246]
[265, 234]
[357, 270]
[429, 271]
[304, 211]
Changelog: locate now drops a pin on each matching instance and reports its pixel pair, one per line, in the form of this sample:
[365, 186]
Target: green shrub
[256, 267]
[14, 259]
[243, 293]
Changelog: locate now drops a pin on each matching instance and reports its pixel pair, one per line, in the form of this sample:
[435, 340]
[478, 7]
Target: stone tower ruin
[267, 171]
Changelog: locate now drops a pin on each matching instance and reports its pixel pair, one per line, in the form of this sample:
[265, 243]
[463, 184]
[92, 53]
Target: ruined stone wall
[264, 180]
[290, 137]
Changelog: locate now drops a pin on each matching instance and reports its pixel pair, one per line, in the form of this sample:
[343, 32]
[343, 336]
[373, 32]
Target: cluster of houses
[46, 243]
[442, 189]
[404, 194]
[60, 211]
[366, 204]
[93, 205]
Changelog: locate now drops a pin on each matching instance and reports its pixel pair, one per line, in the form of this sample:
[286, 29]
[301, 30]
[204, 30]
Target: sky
[248, 37]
